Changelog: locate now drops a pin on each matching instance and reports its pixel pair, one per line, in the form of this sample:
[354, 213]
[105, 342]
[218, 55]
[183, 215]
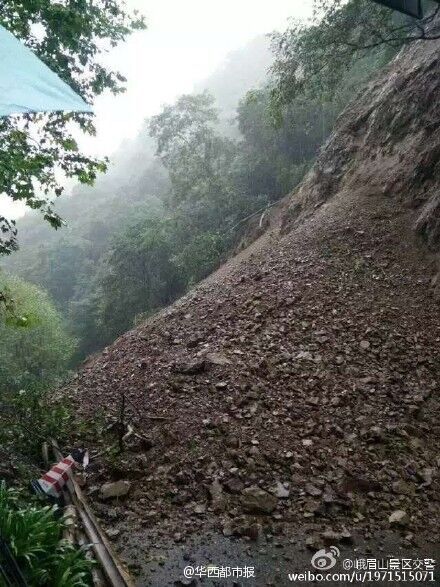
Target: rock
[376, 434]
[199, 508]
[307, 442]
[113, 533]
[190, 367]
[354, 483]
[313, 542]
[398, 518]
[426, 476]
[252, 531]
[257, 501]
[227, 529]
[281, 491]
[364, 345]
[330, 537]
[312, 490]
[185, 583]
[403, 488]
[217, 359]
[346, 537]
[234, 485]
[217, 496]
[115, 489]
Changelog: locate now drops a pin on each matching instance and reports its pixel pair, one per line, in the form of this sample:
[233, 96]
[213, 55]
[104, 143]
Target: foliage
[197, 157]
[201, 256]
[275, 157]
[37, 148]
[140, 277]
[34, 535]
[36, 352]
[313, 58]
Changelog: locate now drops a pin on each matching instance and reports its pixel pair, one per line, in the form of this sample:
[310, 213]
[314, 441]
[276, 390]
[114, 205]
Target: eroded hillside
[292, 398]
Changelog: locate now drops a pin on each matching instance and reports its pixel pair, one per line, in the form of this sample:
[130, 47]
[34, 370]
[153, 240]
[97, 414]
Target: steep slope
[307, 367]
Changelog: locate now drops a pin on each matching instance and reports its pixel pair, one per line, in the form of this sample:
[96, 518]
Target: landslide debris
[296, 390]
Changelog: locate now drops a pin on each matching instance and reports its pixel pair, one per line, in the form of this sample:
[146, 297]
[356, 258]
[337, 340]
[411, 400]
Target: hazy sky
[185, 41]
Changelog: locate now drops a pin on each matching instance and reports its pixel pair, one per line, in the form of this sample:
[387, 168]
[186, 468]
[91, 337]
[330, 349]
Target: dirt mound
[294, 394]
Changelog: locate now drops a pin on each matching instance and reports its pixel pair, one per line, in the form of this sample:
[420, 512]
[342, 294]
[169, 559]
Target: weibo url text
[363, 576]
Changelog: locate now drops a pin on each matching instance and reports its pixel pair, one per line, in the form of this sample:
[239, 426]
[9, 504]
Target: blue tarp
[28, 85]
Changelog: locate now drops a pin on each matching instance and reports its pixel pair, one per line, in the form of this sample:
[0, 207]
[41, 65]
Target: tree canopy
[36, 351]
[37, 149]
[314, 57]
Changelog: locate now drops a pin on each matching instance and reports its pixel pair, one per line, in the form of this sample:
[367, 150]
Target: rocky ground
[291, 400]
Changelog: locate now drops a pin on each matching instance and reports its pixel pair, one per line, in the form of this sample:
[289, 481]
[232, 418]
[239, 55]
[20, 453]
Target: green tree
[35, 352]
[313, 58]
[273, 158]
[35, 149]
[139, 276]
[197, 157]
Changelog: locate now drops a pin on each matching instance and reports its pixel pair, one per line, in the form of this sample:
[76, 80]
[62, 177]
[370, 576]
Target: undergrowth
[34, 535]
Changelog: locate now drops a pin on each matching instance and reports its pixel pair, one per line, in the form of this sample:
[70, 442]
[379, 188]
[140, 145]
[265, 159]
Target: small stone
[313, 542]
[376, 433]
[281, 491]
[190, 367]
[199, 508]
[364, 344]
[217, 497]
[346, 537]
[307, 442]
[312, 490]
[398, 518]
[427, 475]
[234, 485]
[227, 528]
[257, 501]
[116, 489]
[330, 537]
[113, 533]
[217, 359]
[403, 488]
